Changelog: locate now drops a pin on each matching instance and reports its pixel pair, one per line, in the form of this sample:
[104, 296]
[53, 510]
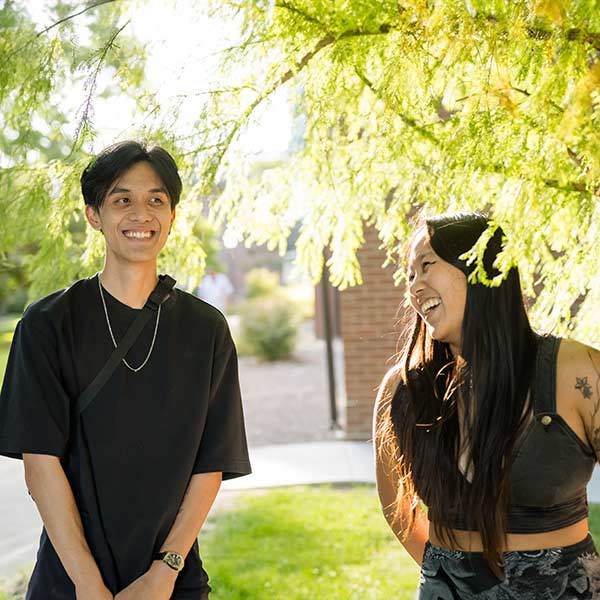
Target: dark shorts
[568, 573]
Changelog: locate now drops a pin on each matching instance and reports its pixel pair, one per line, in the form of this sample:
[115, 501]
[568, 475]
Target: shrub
[268, 327]
[302, 296]
[261, 282]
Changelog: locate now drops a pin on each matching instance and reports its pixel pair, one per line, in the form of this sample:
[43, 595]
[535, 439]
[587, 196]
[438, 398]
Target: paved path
[307, 464]
[20, 524]
[287, 402]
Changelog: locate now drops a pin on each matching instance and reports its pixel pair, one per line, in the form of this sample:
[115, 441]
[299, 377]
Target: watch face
[174, 560]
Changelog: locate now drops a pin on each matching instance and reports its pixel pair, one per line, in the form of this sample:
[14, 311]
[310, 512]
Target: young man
[124, 486]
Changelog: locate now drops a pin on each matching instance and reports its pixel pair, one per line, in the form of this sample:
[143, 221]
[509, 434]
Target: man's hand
[158, 581]
[98, 592]
[155, 584]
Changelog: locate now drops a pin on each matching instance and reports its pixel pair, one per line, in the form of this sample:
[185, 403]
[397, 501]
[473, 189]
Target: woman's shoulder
[386, 390]
[393, 376]
[395, 380]
[578, 379]
[577, 359]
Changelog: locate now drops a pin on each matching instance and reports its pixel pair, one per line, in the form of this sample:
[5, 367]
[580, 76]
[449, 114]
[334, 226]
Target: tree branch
[91, 83]
[405, 118]
[218, 159]
[573, 187]
[538, 33]
[296, 10]
[69, 17]
[382, 29]
[327, 40]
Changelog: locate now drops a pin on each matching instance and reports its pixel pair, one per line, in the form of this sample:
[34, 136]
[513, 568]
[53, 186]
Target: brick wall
[368, 316]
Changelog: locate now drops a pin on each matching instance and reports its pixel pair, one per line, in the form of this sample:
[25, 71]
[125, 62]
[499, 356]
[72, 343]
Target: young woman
[493, 427]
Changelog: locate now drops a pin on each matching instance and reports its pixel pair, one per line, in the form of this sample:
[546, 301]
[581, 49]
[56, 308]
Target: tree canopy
[400, 105]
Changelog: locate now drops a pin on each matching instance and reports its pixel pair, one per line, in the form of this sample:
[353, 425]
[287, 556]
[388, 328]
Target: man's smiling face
[135, 215]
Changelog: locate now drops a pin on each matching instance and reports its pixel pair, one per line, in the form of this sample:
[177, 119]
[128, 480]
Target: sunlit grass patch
[301, 543]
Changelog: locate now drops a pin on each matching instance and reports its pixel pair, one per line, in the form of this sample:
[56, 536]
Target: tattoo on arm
[582, 384]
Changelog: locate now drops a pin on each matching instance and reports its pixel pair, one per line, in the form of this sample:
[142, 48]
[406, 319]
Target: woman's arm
[396, 511]
[578, 390]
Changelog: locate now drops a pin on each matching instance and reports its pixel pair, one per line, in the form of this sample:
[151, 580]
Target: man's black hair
[103, 170]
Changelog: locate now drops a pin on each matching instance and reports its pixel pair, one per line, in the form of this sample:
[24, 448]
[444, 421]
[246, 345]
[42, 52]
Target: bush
[13, 287]
[261, 282]
[268, 327]
[302, 296]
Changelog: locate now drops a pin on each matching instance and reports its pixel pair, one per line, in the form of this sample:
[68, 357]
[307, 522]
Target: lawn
[300, 543]
[304, 543]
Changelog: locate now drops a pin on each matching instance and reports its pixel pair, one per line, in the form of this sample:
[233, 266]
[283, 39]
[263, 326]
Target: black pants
[568, 573]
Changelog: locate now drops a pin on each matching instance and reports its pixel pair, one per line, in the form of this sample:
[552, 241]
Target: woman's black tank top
[551, 466]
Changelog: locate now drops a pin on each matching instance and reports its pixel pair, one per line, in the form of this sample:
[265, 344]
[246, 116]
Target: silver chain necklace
[135, 370]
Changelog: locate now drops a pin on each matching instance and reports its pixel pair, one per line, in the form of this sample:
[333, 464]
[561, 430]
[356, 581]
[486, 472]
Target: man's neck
[131, 284]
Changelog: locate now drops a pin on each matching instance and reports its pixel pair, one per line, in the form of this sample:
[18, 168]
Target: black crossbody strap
[156, 298]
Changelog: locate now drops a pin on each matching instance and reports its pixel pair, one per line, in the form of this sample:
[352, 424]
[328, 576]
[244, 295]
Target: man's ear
[173, 215]
[91, 214]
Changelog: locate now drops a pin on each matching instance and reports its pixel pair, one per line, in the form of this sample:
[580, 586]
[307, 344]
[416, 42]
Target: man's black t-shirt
[147, 432]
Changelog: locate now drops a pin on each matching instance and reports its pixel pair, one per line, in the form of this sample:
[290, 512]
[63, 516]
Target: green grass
[305, 543]
[594, 523]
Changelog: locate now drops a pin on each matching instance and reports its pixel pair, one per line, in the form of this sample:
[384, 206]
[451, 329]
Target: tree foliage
[401, 105]
[43, 150]
[439, 106]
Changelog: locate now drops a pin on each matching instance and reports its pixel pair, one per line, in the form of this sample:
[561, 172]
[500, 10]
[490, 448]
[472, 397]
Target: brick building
[369, 315]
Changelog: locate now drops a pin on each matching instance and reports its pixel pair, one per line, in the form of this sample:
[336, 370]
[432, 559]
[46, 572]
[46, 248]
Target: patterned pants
[568, 573]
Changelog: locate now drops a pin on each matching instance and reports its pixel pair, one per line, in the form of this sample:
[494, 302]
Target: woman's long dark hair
[490, 379]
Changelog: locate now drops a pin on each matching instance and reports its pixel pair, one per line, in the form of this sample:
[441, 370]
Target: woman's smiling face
[438, 292]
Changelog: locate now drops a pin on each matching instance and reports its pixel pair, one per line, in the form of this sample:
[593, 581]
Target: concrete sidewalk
[306, 464]
[325, 462]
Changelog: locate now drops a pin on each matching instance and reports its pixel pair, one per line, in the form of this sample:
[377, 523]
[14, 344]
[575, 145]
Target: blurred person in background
[216, 289]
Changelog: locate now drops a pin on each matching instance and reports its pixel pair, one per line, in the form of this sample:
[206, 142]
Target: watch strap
[162, 555]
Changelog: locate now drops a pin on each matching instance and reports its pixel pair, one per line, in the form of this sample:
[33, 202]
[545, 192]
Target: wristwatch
[171, 559]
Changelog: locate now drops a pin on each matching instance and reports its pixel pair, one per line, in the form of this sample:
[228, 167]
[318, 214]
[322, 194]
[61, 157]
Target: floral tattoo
[582, 384]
